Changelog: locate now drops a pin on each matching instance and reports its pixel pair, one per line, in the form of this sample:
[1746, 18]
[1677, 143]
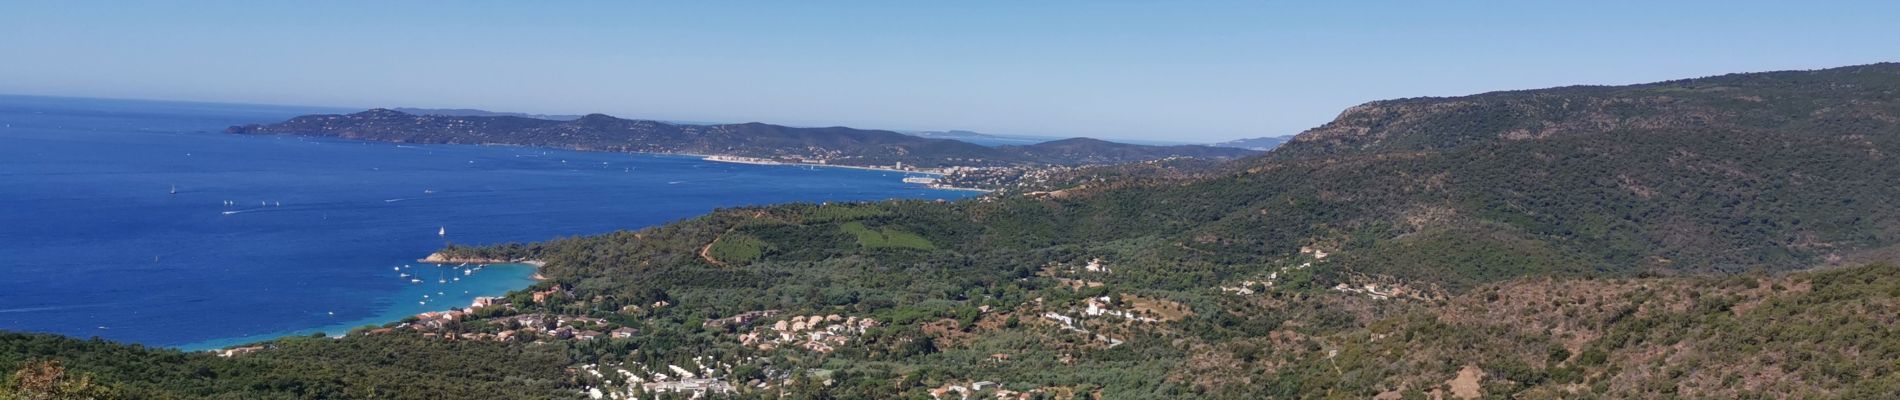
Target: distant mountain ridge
[985, 139]
[831, 145]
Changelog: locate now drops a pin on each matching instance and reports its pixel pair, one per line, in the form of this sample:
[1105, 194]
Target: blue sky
[1178, 71]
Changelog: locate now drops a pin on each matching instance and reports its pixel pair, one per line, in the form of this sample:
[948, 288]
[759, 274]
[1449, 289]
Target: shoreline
[942, 187]
[731, 159]
[769, 162]
[438, 259]
[766, 161]
[394, 312]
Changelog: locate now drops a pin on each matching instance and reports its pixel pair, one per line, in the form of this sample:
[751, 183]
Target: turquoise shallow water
[271, 236]
[431, 294]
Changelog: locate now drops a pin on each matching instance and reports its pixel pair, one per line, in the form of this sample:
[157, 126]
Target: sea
[139, 221]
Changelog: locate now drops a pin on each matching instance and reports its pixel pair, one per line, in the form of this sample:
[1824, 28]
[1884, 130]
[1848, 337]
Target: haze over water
[92, 242]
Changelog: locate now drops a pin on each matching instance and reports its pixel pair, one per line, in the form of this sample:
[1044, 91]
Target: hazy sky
[1182, 71]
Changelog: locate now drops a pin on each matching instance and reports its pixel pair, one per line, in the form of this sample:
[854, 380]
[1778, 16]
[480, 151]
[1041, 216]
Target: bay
[272, 236]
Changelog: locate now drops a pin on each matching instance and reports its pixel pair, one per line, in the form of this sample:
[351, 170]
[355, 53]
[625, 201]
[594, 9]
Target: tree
[47, 380]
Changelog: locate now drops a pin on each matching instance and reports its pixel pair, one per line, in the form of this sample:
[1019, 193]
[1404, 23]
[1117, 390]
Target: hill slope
[1419, 207]
[1769, 170]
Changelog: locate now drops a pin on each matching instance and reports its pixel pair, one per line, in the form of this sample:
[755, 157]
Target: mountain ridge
[1540, 113]
[473, 112]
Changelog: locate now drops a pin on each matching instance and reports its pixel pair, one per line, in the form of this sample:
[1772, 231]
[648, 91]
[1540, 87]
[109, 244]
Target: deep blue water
[93, 244]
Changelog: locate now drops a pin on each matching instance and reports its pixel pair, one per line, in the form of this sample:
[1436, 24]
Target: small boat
[457, 279]
[174, 189]
[395, 268]
[468, 272]
[412, 280]
[403, 275]
[442, 231]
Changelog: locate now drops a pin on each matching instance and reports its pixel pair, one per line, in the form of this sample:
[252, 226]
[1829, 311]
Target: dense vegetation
[1600, 242]
[835, 145]
[295, 368]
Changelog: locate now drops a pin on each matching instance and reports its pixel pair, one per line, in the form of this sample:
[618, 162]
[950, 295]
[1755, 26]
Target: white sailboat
[174, 189]
[442, 231]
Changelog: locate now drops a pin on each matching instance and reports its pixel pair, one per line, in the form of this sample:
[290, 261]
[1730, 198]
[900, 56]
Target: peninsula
[761, 142]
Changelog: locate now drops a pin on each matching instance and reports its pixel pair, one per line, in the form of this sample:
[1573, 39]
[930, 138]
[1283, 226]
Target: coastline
[765, 161]
[398, 310]
[193, 303]
[762, 161]
[948, 187]
[439, 258]
[523, 274]
[730, 159]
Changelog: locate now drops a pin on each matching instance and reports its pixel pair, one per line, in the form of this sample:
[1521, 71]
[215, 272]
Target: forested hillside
[1587, 242]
